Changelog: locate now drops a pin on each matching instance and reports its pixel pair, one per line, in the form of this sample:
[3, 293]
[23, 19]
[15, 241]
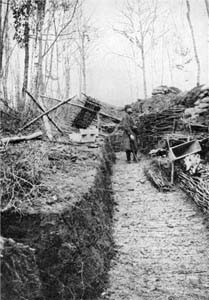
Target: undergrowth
[22, 168]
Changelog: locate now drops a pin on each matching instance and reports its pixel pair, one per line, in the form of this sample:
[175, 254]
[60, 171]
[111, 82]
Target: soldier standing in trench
[129, 135]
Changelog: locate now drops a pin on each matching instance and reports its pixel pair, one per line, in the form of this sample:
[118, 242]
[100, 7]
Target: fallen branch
[16, 139]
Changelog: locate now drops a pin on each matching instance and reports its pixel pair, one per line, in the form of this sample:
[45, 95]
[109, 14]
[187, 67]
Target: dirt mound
[72, 238]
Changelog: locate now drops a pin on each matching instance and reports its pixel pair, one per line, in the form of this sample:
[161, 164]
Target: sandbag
[205, 100]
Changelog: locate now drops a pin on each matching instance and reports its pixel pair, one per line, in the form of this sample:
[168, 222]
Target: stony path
[162, 241]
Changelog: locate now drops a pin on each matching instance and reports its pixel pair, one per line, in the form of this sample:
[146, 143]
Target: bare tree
[193, 41]
[138, 18]
[86, 35]
[38, 75]
[3, 34]
[26, 44]
[1, 38]
[58, 38]
[22, 11]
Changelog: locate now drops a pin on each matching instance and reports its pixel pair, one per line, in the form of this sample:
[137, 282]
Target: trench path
[162, 241]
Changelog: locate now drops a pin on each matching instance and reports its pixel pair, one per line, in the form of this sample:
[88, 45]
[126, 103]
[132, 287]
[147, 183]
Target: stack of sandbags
[164, 89]
[197, 102]
[202, 106]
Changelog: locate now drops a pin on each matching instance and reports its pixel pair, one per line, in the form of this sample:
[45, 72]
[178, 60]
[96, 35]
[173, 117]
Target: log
[41, 108]
[46, 113]
[16, 139]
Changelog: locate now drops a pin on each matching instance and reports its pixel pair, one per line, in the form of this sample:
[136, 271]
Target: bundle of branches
[196, 188]
[22, 168]
[157, 176]
[152, 127]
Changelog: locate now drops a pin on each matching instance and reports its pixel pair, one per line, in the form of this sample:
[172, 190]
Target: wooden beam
[46, 113]
[41, 108]
[81, 106]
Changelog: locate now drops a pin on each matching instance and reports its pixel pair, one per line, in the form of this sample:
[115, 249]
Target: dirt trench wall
[72, 249]
[20, 272]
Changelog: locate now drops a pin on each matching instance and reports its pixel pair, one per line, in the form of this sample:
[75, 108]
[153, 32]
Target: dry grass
[21, 171]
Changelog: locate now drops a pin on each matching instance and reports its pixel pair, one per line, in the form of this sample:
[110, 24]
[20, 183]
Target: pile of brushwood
[158, 174]
[21, 172]
[152, 127]
[181, 113]
[196, 186]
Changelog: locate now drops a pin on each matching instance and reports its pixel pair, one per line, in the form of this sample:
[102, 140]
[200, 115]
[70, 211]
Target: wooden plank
[46, 113]
[41, 108]
[81, 106]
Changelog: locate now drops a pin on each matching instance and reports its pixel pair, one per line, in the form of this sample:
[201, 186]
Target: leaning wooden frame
[45, 113]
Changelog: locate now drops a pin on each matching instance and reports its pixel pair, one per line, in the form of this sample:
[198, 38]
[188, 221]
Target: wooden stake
[172, 172]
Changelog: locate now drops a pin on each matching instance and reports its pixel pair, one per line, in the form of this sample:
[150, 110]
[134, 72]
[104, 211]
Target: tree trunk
[1, 40]
[38, 77]
[162, 62]
[17, 86]
[67, 77]
[207, 6]
[3, 31]
[38, 65]
[170, 66]
[5, 71]
[193, 42]
[144, 72]
[26, 59]
[83, 61]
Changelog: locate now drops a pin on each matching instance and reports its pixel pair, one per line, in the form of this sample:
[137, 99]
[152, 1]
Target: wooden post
[172, 172]
[98, 121]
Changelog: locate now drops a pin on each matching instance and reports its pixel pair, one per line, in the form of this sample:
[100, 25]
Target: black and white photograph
[104, 149]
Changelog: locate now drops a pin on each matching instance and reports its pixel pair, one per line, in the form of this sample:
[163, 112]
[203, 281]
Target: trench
[64, 254]
[162, 240]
